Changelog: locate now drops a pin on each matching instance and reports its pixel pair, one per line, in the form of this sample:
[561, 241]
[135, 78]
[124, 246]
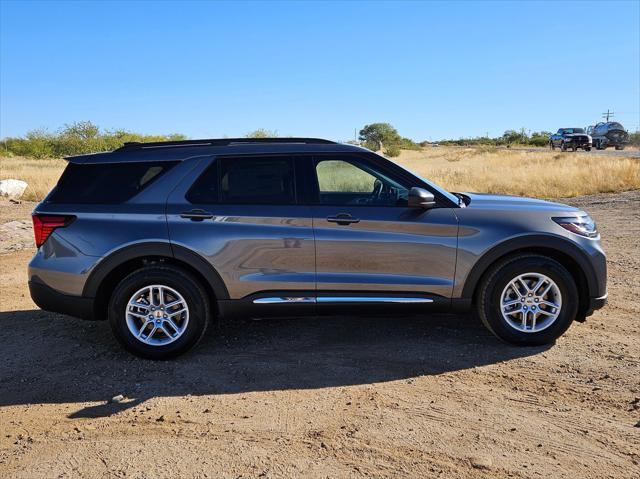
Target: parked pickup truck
[572, 138]
[607, 134]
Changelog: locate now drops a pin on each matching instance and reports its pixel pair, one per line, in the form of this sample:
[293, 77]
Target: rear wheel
[528, 300]
[587, 148]
[620, 147]
[158, 312]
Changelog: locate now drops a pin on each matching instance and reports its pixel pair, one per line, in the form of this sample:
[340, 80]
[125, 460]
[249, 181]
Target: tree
[511, 136]
[262, 133]
[82, 130]
[376, 135]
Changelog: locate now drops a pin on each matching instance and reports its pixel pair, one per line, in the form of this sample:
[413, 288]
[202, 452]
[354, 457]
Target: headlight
[580, 225]
[567, 139]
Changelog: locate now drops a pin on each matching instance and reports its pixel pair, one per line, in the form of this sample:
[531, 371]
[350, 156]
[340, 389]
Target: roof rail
[137, 145]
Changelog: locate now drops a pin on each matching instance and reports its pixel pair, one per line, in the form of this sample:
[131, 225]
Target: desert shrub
[262, 133]
[75, 139]
[392, 151]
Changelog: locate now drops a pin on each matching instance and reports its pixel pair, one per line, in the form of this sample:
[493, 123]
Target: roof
[181, 150]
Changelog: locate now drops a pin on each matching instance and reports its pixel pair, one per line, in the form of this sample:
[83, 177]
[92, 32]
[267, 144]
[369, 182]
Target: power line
[607, 115]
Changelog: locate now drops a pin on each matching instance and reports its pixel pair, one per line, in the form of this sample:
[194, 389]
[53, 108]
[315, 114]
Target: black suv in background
[572, 138]
[607, 134]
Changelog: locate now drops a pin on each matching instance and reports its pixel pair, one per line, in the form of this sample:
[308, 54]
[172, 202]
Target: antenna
[607, 114]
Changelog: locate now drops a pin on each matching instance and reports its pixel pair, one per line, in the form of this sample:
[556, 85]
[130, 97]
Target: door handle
[343, 219]
[196, 215]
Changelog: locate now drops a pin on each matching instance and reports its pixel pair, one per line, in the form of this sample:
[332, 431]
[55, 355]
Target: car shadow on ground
[50, 358]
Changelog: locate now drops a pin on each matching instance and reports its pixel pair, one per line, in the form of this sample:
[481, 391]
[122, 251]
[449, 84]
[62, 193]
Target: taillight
[43, 225]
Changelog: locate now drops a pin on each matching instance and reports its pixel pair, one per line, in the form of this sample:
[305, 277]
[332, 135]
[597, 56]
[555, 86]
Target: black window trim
[306, 189]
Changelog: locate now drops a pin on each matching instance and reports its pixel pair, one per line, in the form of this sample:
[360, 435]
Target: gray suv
[161, 239]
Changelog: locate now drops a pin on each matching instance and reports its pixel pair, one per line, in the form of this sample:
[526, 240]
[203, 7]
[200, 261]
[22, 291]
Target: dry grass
[542, 174]
[40, 175]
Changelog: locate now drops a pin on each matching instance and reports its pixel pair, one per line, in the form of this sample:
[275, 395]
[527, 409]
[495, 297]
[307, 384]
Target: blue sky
[433, 70]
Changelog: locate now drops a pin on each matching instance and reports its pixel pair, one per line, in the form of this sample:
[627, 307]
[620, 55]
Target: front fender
[538, 243]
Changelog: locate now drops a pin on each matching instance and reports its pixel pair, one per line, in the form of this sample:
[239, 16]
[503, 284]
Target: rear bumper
[51, 300]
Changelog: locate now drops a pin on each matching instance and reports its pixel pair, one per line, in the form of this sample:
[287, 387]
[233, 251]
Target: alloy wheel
[531, 302]
[157, 315]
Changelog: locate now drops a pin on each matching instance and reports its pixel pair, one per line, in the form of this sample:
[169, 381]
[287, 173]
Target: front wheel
[563, 147]
[551, 145]
[159, 312]
[528, 299]
[588, 148]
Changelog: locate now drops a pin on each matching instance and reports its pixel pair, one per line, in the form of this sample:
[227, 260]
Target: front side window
[352, 182]
[257, 180]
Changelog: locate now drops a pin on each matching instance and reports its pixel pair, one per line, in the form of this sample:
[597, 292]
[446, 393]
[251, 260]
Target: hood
[490, 201]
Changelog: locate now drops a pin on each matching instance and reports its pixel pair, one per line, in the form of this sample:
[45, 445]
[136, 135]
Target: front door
[367, 238]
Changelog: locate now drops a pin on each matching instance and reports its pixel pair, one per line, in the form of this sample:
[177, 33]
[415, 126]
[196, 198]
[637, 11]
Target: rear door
[368, 240]
[242, 214]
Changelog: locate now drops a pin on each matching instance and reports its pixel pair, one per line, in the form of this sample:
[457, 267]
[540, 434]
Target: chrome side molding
[288, 299]
[342, 299]
[371, 299]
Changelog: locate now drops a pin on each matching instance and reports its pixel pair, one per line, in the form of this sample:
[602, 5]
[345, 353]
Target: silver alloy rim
[531, 302]
[157, 315]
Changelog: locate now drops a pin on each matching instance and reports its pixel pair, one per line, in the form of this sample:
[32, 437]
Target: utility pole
[607, 115]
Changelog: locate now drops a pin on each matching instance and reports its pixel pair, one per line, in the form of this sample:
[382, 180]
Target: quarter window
[106, 183]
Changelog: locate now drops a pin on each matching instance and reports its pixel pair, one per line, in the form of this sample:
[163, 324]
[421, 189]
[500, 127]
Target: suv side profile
[161, 239]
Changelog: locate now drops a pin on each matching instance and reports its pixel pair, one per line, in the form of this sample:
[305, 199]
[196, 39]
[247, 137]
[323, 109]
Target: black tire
[497, 278]
[574, 149]
[563, 147]
[588, 148]
[551, 145]
[182, 282]
[619, 148]
[599, 145]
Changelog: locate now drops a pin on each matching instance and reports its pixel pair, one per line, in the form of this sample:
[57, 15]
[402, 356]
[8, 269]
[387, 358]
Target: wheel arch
[109, 271]
[564, 252]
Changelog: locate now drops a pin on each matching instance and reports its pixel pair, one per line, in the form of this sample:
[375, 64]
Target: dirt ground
[337, 397]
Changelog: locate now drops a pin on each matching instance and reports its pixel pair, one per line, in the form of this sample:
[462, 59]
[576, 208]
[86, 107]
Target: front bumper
[596, 303]
[51, 300]
[578, 144]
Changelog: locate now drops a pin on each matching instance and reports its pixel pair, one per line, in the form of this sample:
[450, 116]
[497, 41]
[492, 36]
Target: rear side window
[266, 180]
[107, 183]
[246, 180]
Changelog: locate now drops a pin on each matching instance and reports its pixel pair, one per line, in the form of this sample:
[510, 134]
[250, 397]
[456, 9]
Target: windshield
[572, 130]
[442, 191]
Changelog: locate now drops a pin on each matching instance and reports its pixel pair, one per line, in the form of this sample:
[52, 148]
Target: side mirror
[421, 198]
